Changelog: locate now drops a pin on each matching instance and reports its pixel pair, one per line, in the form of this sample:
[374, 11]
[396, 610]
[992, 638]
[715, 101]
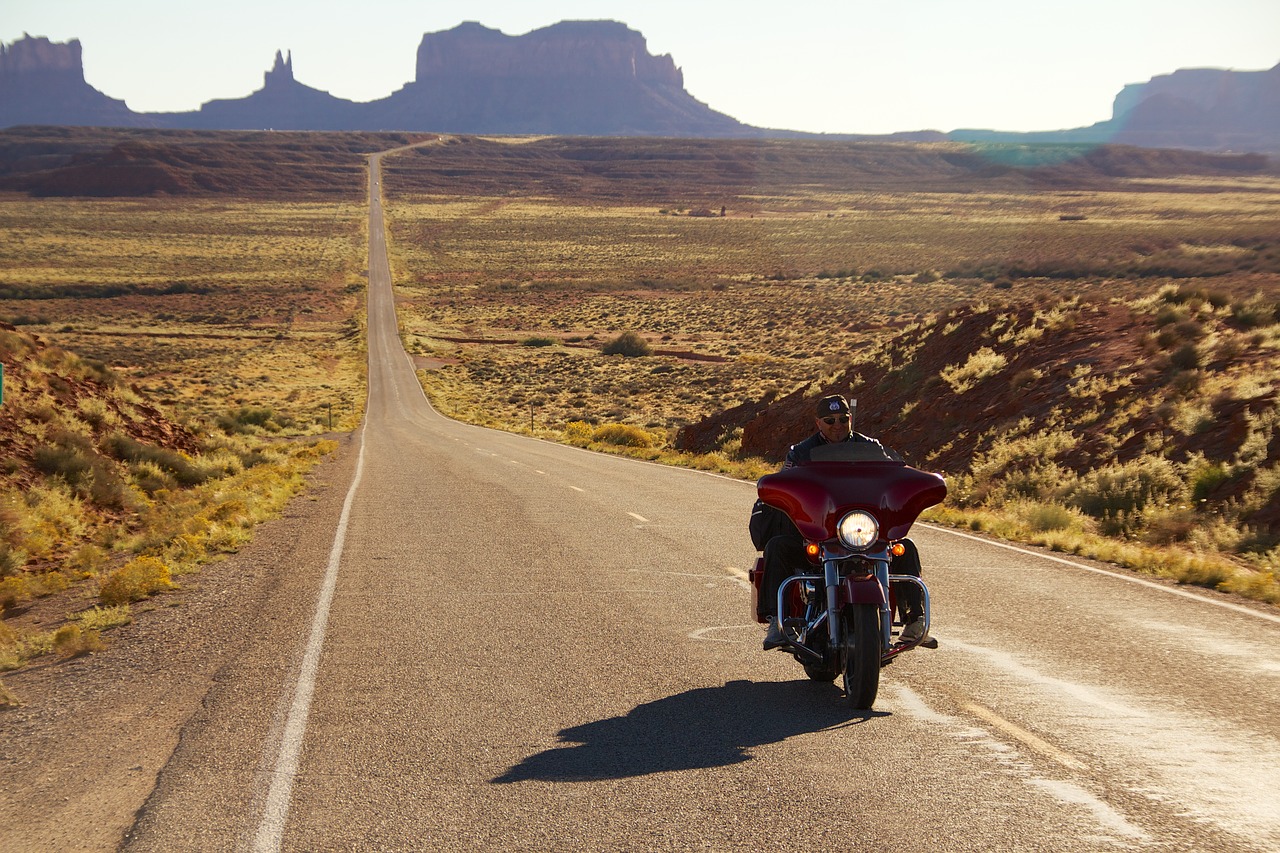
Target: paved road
[521, 646]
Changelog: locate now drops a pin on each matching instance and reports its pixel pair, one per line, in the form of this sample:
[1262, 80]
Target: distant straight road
[516, 645]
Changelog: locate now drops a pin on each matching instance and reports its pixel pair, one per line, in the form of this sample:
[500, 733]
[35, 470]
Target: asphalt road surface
[514, 645]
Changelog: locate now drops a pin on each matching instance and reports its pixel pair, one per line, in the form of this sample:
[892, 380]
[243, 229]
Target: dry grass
[770, 299]
[178, 341]
[206, 306]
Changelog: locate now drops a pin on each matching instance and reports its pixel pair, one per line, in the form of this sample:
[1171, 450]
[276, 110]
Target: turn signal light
[811, 549]
[898, 549]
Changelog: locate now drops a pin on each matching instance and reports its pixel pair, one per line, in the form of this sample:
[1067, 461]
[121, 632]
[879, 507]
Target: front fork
[835, 626]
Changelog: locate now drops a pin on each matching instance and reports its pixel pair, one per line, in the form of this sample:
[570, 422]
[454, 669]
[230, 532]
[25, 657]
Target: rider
[784, 547]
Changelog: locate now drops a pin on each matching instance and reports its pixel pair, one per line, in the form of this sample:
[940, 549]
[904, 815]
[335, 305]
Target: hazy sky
[816, 65]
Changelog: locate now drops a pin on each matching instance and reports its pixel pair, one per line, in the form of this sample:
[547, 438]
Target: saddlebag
[756, 576]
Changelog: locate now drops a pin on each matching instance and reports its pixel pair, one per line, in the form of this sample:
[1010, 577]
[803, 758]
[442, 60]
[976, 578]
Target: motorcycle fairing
[817, 495]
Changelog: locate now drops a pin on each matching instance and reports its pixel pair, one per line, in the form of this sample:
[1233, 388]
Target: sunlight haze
[835, 67]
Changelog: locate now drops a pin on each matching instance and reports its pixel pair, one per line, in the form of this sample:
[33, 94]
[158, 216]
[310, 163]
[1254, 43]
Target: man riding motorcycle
[784, 555]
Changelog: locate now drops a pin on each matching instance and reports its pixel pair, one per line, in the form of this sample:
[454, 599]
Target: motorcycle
[853, 504]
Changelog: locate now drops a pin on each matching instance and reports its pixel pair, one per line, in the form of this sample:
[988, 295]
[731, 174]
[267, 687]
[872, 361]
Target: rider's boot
[774, 638]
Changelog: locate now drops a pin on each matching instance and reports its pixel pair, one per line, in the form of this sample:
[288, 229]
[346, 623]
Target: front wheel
[817, 672]
[861, 654]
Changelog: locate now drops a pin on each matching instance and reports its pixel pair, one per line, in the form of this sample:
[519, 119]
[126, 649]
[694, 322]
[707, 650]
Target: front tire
[862, 655]
[817, 672]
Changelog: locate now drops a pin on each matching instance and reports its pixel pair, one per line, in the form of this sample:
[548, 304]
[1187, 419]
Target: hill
[44, 161]
[1145, 415]
[708, 171]
[105, 497]
[48, 161]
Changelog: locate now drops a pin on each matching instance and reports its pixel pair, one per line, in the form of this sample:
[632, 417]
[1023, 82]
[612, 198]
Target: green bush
[183, 470]
[249, 419]
[69, 463]
[1207, 478]
[1124, 490]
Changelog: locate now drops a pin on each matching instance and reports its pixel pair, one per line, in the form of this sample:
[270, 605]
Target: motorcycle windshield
[818, 494]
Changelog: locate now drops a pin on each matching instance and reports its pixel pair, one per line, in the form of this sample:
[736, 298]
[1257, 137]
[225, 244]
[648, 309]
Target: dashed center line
[1020, 734]
[576, 489]
[639, 518]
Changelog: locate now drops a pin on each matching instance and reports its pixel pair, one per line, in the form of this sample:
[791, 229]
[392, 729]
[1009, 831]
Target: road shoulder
[81, 755]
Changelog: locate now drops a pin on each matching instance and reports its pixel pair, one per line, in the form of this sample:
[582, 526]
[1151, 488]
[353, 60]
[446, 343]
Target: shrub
[168, 462]
[1186, 357]
[137, 579]
[16, 588]
[1044, 517]
[623, 435]
[981, 364]
[151, 478]
[10, 560]
[538, 341]
[628, 344]
[1119, 491]
[87, 559]
[54, 519]
[1253, 314]
[69, 463]
[578, 432]
[108, 489]
[95, 412]
[1206, 478]
[72, 641]
[249, 419]
[102, 618]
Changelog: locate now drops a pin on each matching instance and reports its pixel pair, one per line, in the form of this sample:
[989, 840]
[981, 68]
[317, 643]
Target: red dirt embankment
[1139, 380]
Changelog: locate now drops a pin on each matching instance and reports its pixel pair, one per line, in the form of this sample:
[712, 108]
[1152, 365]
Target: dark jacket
[799, 453]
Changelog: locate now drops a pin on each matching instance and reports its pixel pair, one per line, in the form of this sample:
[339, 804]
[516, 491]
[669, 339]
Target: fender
[862, 589]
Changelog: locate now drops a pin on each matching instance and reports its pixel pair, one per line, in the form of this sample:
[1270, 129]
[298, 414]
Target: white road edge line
[639, 518]
[1152, 584]
[276, 811]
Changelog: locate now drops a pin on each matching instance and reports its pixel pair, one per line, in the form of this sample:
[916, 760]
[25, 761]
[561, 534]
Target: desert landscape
[1085, 340]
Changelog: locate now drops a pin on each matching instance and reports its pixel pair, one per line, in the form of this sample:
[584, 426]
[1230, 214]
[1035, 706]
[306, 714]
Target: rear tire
[862, 655]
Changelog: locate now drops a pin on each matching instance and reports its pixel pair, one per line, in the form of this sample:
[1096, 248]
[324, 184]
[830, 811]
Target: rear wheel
[862, 654]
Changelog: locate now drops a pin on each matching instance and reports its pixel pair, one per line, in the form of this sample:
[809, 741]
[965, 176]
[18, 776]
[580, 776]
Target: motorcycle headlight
[858, 529]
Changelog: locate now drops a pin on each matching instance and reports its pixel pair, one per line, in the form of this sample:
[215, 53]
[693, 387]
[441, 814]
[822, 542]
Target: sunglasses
[836, 419]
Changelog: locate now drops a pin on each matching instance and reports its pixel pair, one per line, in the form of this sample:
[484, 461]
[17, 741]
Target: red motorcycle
[853, 505]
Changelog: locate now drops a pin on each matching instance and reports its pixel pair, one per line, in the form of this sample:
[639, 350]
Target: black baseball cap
[832, 405]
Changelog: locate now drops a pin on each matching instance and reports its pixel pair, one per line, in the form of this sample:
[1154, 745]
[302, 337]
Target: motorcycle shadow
[706, 727]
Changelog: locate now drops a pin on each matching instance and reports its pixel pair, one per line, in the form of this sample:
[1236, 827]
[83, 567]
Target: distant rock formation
[575, 77]
[281, 104]
[42, 82]
[570, 49]
[595, 78]
[1219, 105]
[1202, 108]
